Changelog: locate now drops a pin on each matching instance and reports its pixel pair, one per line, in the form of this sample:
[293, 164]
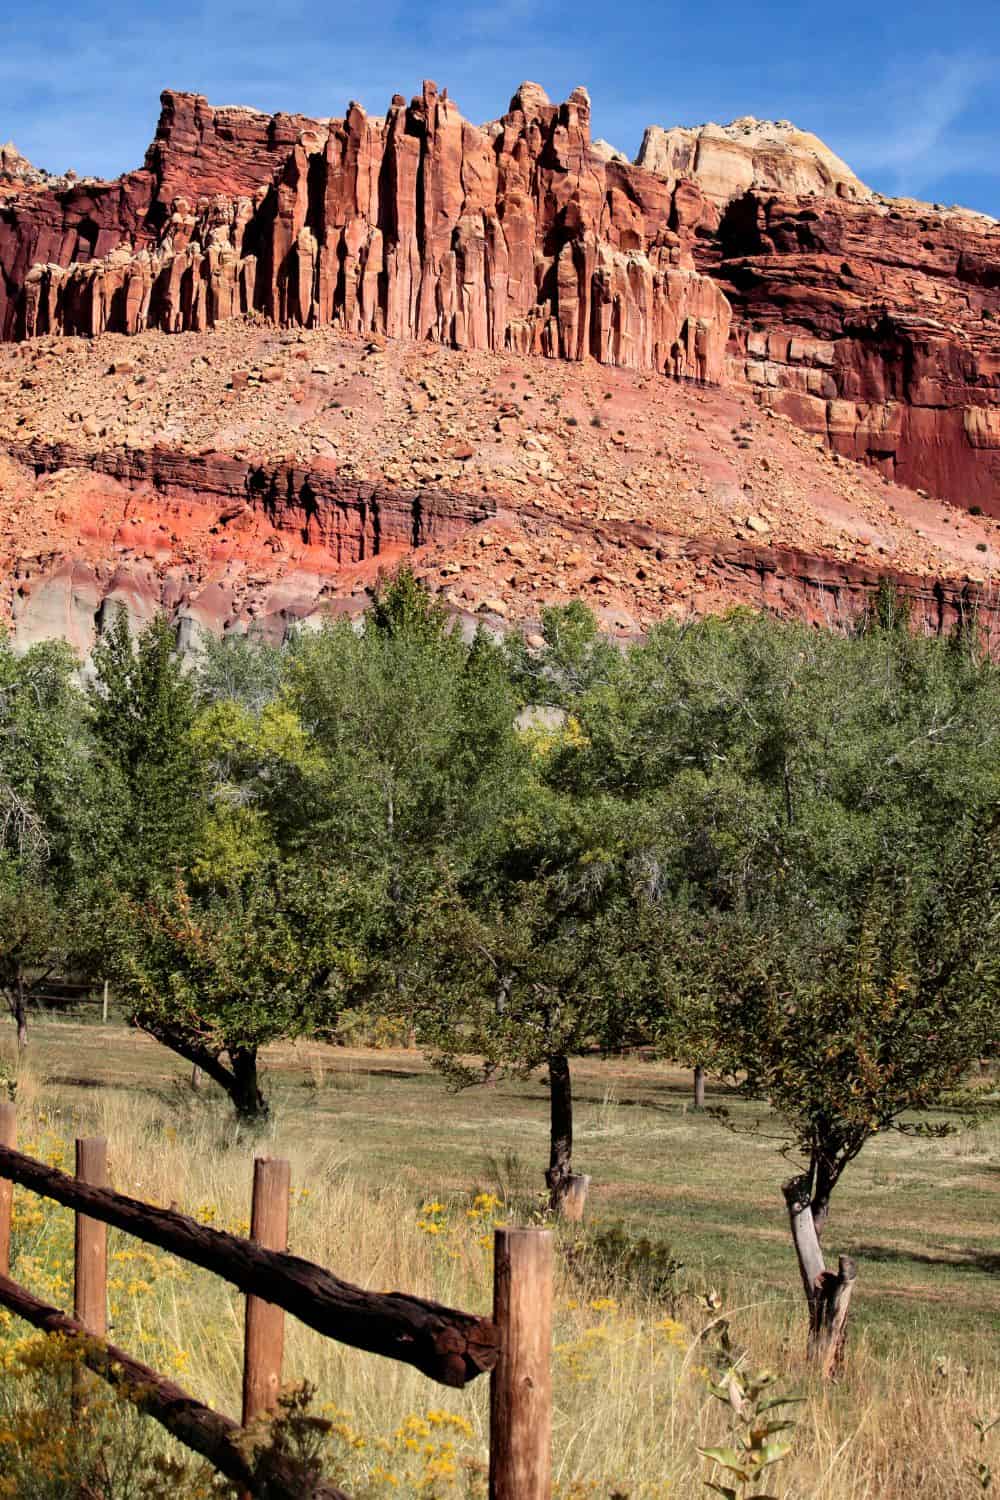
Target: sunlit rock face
[519, 236]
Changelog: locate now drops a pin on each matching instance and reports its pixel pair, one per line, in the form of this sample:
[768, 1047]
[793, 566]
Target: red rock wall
[70, 595]
[518, 236]
[198, 153]
[351, 520]
[874, 325]
[877, 327]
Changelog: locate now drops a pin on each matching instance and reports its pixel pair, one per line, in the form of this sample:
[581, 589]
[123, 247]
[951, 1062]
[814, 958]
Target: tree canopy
[763, 849]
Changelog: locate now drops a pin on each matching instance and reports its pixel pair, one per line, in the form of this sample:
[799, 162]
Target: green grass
[921, 1217]
[374, 1135]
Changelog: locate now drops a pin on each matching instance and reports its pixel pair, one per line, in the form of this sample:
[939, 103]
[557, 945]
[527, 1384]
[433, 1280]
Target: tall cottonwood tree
[218, 939]
[143, 712]
[413, 727]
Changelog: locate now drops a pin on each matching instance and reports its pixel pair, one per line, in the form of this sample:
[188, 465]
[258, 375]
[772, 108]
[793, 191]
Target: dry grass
[369, 1149]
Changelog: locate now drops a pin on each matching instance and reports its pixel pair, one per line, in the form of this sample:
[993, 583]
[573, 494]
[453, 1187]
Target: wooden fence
[444, 1343]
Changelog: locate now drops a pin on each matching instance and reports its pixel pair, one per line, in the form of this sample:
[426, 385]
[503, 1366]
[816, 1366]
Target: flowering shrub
[113, 1453]
[430, 1454]
[460, 1230]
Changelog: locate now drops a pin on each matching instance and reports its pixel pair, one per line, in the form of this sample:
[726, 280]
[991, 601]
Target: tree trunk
[239, 1080]
[699, 1087]
[823, 1183]
[245, 1092]
[20, 1013]
[567, 1189]
[828, 1293]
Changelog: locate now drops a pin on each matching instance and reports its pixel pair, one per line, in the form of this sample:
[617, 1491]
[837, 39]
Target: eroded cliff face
[198, 153]
[518, 236]
[771, 156]
[746, 255]
[875, 326]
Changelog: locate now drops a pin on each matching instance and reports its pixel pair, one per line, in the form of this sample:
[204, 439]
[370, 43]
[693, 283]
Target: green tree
[531, 958]
[241, 669]
[217, 974]
[575, 658]
[143, 713]
[46, 794]
[849, 1026]
[218, 939]
[413, 729]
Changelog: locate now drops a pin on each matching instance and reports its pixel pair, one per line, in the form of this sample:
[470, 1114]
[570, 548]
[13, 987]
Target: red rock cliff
[198, 152]
[516, 236]
[875, 325]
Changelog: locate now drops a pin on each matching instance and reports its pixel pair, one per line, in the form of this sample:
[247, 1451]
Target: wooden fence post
[574, 1199]
[8, 1137]
[90, 1277]
[90, 1286]
[265, 1324]
[521, 1382]
[104, 1005]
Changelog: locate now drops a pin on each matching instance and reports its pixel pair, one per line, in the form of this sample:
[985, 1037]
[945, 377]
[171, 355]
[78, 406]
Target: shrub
[631, 1265]
[361, 1026]
[114, 1453]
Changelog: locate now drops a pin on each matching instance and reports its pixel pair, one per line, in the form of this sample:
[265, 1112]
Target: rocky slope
[873, 324]
[251, 477]
[189, 454]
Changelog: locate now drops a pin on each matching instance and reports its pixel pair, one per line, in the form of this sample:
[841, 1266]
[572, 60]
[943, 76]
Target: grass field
[374, 1137]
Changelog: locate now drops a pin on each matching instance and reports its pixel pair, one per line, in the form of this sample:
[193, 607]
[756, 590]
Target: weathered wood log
[829, 1312]
[521, 1383]
[215, 1437]
[448, 1345]
[574, 1197]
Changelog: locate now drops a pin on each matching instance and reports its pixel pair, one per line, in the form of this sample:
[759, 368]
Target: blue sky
[906, 96]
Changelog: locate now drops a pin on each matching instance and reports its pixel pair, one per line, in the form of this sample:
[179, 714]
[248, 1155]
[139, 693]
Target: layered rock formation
[873, 324]
[14, 167]
[766, 156]
[518, 236]
[262, 477]
[198, 152]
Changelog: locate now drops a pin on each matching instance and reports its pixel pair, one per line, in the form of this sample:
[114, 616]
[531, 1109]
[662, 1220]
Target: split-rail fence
[444, 1343]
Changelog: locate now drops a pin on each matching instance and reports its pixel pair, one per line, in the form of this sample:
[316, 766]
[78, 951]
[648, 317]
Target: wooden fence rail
[444, 1343]
[450, 1346]
[206, 1432]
